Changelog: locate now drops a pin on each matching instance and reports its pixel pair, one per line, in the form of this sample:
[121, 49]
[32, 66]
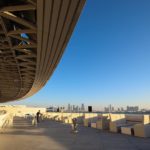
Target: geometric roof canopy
[33, 37]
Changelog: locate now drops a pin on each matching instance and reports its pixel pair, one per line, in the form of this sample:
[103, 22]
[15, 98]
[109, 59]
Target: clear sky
[107, 60]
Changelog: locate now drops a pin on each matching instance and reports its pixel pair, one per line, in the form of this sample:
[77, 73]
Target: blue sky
[107, 60]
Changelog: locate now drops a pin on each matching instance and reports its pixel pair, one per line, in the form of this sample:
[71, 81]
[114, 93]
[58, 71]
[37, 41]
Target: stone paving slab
[49, 135]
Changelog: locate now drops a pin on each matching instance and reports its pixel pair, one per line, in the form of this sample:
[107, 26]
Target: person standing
[38, 116]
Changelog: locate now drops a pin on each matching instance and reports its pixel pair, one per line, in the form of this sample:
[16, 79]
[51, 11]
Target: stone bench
[116, 121]
[127, 130]
[103, 122]
[90, 118]
[93, 125]
[130, 124]
[142, 129]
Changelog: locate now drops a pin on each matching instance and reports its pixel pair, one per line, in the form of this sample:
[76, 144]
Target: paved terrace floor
[50, 135]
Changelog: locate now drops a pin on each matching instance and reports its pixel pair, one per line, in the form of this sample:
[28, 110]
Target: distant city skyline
[106, 61]
[70, 107]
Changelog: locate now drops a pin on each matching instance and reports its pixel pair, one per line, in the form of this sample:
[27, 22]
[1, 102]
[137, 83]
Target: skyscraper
[82, 107]
[69, 108]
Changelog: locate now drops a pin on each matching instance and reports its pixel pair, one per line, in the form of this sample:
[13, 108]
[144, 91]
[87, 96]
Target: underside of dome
[33, 37]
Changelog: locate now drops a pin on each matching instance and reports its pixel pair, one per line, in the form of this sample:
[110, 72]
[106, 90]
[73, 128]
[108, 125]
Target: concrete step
[20, 122]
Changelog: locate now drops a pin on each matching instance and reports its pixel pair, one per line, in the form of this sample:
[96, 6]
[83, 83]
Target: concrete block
[127, 130]
[93, 125]
[86, 122]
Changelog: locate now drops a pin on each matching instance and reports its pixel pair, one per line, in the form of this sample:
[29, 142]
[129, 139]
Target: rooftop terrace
[52, 135]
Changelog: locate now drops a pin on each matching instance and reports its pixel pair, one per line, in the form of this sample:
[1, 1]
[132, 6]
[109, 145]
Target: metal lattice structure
[33, 37]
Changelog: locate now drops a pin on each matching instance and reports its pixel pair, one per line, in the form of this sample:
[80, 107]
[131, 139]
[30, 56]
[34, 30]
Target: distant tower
[69, 108]
[77, 108]
[82, 107]
[122, 109]
[74, 108]
[105, 109]
[110, 108]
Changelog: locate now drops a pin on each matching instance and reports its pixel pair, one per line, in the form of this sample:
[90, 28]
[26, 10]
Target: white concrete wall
[22, 110]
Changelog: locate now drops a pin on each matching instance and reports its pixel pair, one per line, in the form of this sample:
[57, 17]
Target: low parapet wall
[139, 123]
[22, 110]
